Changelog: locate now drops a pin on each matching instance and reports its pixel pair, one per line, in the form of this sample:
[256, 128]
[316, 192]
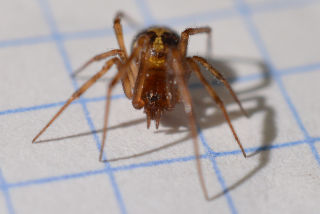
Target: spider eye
[170, 39]
[152, 35]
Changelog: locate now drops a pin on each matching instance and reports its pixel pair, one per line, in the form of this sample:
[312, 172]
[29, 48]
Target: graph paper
[268, 50]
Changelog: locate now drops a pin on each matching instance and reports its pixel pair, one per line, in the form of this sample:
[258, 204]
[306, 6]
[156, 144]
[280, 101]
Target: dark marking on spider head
[160, 40]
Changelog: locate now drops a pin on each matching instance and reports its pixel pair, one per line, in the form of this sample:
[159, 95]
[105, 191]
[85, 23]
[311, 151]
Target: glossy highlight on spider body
[154, 76]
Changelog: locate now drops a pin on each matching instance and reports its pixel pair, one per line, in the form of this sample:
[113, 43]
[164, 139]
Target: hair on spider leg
[154, 76]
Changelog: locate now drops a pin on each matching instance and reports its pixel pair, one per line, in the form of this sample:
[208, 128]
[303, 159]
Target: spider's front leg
[187, 33]
[79, 92]
[128, 79]
[122, 52]
[122, 72]
[119, 33]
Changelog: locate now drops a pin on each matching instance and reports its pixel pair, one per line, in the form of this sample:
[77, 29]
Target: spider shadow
[203, 102]
[172, 122]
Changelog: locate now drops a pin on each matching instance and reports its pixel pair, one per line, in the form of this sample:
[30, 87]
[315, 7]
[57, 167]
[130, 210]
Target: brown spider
[155, 78]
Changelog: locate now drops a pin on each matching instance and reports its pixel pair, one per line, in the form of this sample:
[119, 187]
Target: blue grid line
[5, 191]
[25, 41]
[248, 21]
[56, 104]
[31, 108]
[261, 148]
[55, 178]
[218, 173]
[203, 16]
[223, 185]
[145, 11]
[243, 9]
[88, 34]
[156, 163]
[100, 171]
[279, 5]
[278, 79]
[151, 164]
[300, 69]
[291, 106]
[314, 151]
[50, 20]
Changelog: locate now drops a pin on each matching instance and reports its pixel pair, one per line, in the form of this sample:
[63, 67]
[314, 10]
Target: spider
[154, 76]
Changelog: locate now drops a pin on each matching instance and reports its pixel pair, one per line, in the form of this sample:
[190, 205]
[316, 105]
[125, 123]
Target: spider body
[160, 90]
[154, 76]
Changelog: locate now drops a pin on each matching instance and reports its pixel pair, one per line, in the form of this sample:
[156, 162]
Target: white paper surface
[269, 50]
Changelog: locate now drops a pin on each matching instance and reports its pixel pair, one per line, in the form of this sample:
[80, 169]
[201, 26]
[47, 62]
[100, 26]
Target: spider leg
[99, 57]
[122, 53]
[137, 102]
[114, 81]
[219, 76]
[79, 92]
[119, 34]
[128, 79]
[179, 70]
[217, 99]
[133, 23]
[121, 73]
[188, 32]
